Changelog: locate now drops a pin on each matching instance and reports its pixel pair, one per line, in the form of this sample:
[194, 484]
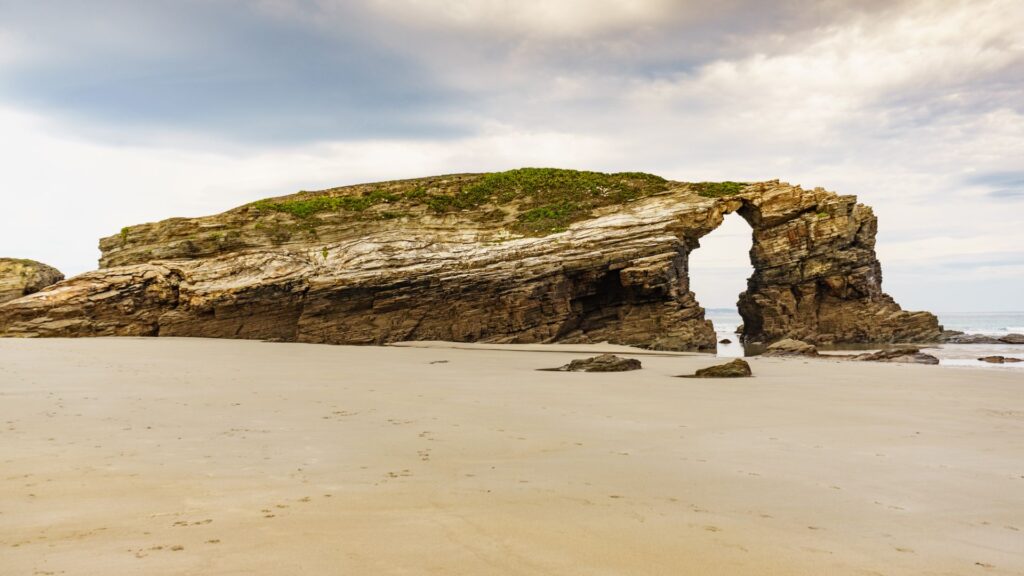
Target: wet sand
[187, 456]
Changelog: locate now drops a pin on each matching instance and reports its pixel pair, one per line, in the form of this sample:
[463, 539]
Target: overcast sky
[116, 112]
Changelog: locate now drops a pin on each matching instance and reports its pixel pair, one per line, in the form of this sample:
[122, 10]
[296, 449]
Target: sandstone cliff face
[546, 256]
[20, 277]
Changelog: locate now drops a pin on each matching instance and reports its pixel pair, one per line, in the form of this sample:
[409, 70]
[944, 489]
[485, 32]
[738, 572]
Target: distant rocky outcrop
[901, 355]
[19, 277]
[602, 363]
[1000, 359]
[962, 338]
[530, 255]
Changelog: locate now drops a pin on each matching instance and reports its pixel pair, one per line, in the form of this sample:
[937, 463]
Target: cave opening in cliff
[718, 273]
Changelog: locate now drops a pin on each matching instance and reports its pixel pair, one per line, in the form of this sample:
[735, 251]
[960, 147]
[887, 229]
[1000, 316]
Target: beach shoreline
[188, 456]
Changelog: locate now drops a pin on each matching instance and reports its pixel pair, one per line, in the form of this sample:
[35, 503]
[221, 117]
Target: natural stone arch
[816, 275]
[620, 274]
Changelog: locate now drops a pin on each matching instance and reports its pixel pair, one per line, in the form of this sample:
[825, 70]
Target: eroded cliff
[532, 255]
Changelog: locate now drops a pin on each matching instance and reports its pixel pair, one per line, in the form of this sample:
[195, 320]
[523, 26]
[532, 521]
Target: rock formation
[952, 337]
[20, 277]
[602, 363]
[1000, 359]
[530, 255]
[901, 355]
[791, 347]
[738, 368]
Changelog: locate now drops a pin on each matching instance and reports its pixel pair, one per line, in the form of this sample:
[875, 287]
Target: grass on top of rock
[545, 200]
[718, 189]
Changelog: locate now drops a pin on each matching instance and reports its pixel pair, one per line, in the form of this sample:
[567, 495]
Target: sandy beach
[189, 456]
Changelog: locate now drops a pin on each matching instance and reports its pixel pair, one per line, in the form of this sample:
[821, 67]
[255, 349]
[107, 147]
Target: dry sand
[179, 456]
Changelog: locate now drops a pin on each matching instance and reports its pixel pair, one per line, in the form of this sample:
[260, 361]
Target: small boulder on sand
[1000, 359]
[725, 341]
[738, 368]
[791, 347]
[905, 355]
[602, 363]
[1012, 339]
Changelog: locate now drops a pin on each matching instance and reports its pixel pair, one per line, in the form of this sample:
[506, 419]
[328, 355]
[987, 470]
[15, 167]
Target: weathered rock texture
[545, 256]
[20, 277]
[602, 363]
[791, 347]
[737, 368]
[902, 355]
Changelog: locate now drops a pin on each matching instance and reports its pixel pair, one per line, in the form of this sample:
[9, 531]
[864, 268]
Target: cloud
[220, 67]
[913, 105]
[1008, 185]
[533, 17]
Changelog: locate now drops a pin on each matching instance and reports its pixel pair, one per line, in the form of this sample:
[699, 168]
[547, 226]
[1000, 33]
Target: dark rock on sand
[905, 355]
[737, 368]
[725, 341]
[602, 363]
[1012, 339]
[1000, 359]
[790, 347]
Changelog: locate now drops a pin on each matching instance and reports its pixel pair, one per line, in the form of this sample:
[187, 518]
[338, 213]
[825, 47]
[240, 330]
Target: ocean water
[996, 324]
[991, 323]
[726, 321]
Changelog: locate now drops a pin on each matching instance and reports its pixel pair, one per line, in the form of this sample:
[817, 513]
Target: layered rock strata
[19, 277]
[551, 256]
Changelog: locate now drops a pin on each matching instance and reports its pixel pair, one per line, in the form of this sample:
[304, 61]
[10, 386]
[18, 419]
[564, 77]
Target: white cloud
[532, 17]
[837, 73]
[11, 50]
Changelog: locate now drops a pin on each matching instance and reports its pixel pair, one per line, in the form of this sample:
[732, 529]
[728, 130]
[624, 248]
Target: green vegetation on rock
[306, 207]
[546, 200]
[718, 189]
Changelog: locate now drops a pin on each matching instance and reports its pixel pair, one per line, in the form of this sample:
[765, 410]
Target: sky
[118, 112]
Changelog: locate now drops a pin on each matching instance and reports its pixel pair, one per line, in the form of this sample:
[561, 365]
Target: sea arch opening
[718, 272]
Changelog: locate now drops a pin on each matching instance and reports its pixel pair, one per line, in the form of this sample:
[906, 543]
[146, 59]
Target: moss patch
[718, 189]
[306, 207]
[545, 200]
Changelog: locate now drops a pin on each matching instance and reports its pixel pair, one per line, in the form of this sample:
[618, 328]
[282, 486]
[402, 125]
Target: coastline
[995, 324]
[189, 456]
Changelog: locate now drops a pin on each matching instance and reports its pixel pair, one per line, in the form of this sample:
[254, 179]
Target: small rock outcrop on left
[19, 277]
